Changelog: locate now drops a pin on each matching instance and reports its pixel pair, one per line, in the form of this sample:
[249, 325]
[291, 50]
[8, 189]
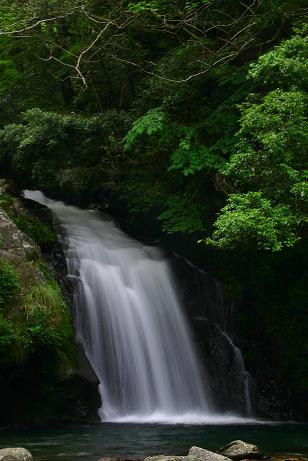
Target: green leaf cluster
[251, 217]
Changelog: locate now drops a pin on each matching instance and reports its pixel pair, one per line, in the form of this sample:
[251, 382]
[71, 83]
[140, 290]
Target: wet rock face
[238, 450]
[214, 326]
[53, 255]
[15, 454]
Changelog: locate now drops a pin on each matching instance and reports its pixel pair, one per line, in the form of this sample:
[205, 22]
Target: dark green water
[89, 443]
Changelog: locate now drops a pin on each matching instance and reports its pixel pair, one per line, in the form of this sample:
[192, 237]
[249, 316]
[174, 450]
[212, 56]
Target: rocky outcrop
[73, 395]
[15, 454]
[238, 450]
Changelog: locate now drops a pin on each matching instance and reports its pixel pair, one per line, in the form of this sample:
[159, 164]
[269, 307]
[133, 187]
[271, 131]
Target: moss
[42, 326]
[38, 231]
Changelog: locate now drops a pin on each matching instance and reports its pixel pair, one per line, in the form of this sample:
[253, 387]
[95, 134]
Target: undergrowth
[37, 230]
[9, 282]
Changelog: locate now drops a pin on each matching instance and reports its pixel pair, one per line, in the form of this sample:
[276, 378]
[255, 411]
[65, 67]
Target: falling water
[131, 324]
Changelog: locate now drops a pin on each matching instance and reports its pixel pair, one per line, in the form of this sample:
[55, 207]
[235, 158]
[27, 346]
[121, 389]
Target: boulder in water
[240, 450]
[15, 454]
[169, 458]
[200, 454]
[107, 458]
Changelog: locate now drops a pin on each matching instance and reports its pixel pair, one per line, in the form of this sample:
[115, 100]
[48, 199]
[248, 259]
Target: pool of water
[89, 443]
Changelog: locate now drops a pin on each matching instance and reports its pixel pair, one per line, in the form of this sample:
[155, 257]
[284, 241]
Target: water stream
[131, 323]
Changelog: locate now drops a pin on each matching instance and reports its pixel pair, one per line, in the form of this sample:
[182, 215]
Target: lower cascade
[131, 323]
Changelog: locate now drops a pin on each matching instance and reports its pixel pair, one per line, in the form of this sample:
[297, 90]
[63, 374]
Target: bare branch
[187, 23]
[39, 22]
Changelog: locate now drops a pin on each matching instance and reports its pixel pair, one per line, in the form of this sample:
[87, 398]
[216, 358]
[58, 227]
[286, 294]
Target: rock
[170, 458]
[119, 459]
[15, 454]
[14, 241]
[288, 458]
[240, 450]
[195, 454]
[205, 455]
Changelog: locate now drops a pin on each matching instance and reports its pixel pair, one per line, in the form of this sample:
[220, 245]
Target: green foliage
[165, 7]
[191, 157]
[181, 215]
[151, 123]
[73, 152]
[251, 217]
[14, 343]
[9, 282]
[37, 230]
[43, 326]
[48, 320]
[138, 7]
[6, 203]
[283, 66]
[271, 152]
[9, 75]
[270, 158]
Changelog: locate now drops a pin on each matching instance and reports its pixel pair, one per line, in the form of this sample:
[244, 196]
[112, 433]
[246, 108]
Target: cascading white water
[130, 322]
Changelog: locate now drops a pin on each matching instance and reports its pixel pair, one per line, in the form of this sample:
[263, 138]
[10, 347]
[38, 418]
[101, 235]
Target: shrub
[9, 282]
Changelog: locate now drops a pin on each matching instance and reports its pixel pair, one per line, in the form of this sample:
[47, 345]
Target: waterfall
[131, 323]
